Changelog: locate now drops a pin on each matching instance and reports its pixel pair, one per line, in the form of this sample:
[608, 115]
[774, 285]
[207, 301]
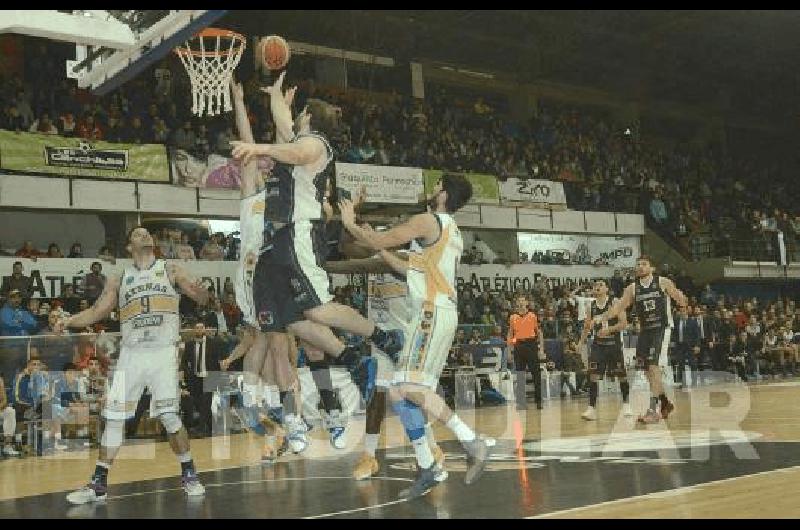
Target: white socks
[460, 429]
[430, 437]
[423, 452]
[371, 444]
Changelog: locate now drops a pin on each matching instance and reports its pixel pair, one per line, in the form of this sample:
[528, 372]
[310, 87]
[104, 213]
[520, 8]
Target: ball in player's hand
[275, 52]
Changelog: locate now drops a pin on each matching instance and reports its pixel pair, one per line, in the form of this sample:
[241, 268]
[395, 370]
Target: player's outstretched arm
[421, 226]
[103, 307]
[304, 151]
[191, 287]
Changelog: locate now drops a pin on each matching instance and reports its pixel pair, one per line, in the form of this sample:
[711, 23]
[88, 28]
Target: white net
[210, 58]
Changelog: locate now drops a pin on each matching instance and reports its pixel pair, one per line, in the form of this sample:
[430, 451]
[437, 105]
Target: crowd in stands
[685, 191]
[171, 243]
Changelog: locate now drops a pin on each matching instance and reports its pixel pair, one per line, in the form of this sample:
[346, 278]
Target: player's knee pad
[412, 418]
[172, 422]
[113, 433]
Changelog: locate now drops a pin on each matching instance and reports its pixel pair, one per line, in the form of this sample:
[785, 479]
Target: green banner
[484, 187]
[76, 157]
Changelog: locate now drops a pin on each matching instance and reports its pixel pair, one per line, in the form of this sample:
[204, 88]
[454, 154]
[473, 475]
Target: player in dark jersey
[651, 294]
[606, 353]
[291, 287]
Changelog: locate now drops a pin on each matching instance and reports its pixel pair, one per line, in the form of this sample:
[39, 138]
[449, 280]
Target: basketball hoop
[210, 57]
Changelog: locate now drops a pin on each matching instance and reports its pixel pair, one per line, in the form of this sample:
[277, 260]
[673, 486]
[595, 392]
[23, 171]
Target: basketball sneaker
[9, 450]
[366, 467]
[91, 492]
[439, 469]
[191, 484]
[478, 451]
[650, 417]
[627, 411]
[590, 414]
[337, 437]
[391, 343]
[296, 436]
[424, 482]
[666, 408]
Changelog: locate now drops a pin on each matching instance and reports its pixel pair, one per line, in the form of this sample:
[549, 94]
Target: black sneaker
[426, 479]
[478, 451]
[350, 359]
[392, 343]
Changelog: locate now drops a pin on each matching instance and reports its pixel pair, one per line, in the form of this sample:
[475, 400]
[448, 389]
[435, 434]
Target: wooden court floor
[727, 451]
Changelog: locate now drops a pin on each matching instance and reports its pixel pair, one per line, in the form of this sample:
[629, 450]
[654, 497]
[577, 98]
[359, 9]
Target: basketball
[274, 52]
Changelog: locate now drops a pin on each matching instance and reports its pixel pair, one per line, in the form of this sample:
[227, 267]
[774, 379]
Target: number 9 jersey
[148, 307]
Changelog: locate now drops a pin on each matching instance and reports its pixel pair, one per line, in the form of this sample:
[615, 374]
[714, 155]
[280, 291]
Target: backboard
[112, 46]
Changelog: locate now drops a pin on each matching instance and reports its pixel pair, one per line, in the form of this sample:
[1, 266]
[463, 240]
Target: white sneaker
[337, 437]
[192, 486]
[296, 434]
[87, 494]
[10, 451]
[626, 410]
[590, 414]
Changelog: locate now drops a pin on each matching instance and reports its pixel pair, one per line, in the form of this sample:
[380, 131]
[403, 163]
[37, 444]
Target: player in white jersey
[436, 248]
[150, 325]
[270, 377]
[388, 302]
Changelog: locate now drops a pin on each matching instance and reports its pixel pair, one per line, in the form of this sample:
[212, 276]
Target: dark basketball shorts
[605, 358]
[652, 346]
[289, 277]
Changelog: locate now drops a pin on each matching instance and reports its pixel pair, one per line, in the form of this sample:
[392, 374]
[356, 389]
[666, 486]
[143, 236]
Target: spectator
[228, 288]
[9, 425]
[75, 251]
[115, 130]
[16, 321]
[184, 138]
[26, 390]
[24, 108]
[161, 132]
[184, 250]
[213, 317]
[233, 314]
[53, 251]
[71, 301]
[738, 354]
[658, 211]
[67, 125]
[137, 134]
[88, 129]
[17, 282]
[27, 251]
[106, 254]
[94, 282]
[43, 125]
[14, 121]
[212, 250]
[708, 297]
[201, 147]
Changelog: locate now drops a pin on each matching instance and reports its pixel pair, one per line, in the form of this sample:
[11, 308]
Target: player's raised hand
[288, 96]
[243, 151]
[347, 211]
[277, 86]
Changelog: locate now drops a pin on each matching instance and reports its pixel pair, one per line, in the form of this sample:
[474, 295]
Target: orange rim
[239, 41]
